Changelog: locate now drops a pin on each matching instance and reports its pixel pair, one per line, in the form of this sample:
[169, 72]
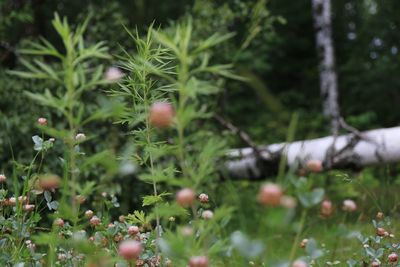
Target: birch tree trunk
[375, 147]
[325, 49]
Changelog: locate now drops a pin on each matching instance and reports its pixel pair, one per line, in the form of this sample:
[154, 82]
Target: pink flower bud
[89, 214]
[314, 165]
[270, 195]
[375, 264]
[304, 243]
[113, 74]
[3, 178]
[110, 225]
[133, 230]
[49, 182]
[203, 198]
[130, 249]
[393, 257]
[95, 221]
[288, 202]
[185, 197]
[326, 208]
[59, 222]
[28, 207]
[12, 201]
[198, 261]
[161, 115]
[299, 264]
[207, 215]
[380, 231]
[42, 121]
[187, 231]
[349, 205]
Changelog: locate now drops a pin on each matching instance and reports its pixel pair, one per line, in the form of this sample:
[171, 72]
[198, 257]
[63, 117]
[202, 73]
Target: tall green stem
[297, 238]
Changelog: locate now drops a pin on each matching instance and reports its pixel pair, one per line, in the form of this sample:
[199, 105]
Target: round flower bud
[49, 182]
[380, 231]
[130, 249]
[303, 243]
[198, 261]
[375, 264]
[314, 165]
[379, 215]
[89, 214]
[95, 221]
[3, 178]
[133, 230]
[326, 208]
[270, 195]
[161, 115]
[59, 222]
[393, 257]
[185, 197]
[187, 231]
[349, 205]
[299, 264]
[203, 198]
[113, 74]
[80, 137]
[121, 218]
[288, 202]
[28, 207]
[42, 121]
[207, 214]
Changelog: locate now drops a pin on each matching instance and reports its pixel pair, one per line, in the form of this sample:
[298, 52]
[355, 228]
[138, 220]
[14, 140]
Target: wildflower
[95, 221]
[288, 202]
[198, 261]
[11, 201]
[121, 218]
[49, 182]
[59, 222]
[42, 121]
[130, 249]
[380, 231]
[185, 197]
[270, 195]
[303, 243]
[171, 219]
[28, 207]
[314, 165]
[326, 208]
[299, 263]
[349, 205]
[110, 225]
[89, 214]
[61, 256]
[118, 237]
[3, 178]
[187, 231]
[80, 137]
[203, 198]
[104, 194]
[379, 215]
[113, 74]
[161, 115]
[375, 264]
[393, 257]
[80, 199]
[207, 215]
[133, 230]
[23, 199]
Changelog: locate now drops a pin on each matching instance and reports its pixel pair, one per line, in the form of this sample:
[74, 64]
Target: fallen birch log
[346, 151]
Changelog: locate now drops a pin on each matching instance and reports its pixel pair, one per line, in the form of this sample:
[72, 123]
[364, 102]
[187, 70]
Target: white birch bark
[325, 49]
[376, 147]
